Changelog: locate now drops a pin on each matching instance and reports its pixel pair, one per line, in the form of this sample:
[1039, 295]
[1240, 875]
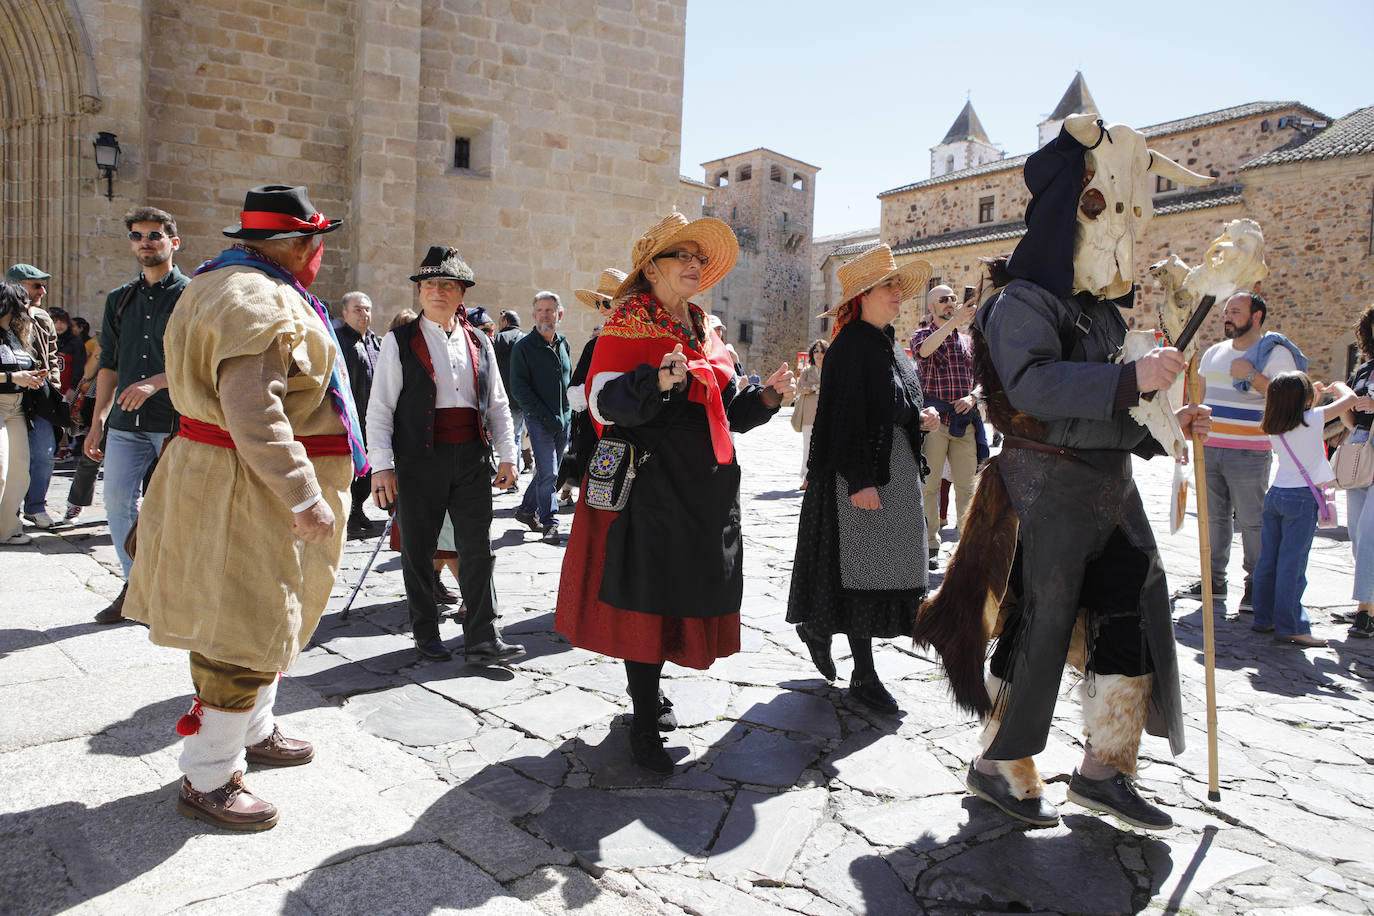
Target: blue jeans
[1290, 522]
[548, 448]
[1361, 527]
[42, 442]
[128, 456]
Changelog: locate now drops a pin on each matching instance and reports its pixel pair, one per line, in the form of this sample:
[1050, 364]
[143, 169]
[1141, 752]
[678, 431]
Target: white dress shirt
[456, 385]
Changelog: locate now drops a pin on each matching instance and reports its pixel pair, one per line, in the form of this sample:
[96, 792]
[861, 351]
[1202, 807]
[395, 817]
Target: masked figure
[1057, 548]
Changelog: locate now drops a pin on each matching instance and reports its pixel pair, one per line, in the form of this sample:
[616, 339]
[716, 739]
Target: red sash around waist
[210, 434]
[456, 424]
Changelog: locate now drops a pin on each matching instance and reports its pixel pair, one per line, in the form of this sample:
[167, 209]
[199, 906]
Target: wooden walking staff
[1204, 539]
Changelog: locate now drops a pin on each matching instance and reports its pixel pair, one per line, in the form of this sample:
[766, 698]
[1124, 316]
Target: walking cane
[1204, 538]
[1204, 541]
[347, 608]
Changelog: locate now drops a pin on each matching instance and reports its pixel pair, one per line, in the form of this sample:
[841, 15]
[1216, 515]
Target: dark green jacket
[539, 374]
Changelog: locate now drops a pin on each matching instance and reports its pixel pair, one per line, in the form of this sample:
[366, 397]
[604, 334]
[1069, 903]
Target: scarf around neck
[340, 394]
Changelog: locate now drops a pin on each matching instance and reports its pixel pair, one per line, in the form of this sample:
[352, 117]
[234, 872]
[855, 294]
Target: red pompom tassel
[189, 724]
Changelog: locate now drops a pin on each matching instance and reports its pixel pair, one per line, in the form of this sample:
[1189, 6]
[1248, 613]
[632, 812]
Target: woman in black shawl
[860, 565]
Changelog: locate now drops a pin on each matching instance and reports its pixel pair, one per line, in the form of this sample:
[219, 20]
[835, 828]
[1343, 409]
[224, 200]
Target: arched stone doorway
[48, 92]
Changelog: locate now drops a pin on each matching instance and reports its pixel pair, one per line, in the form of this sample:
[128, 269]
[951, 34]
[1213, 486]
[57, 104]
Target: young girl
[1290, 510]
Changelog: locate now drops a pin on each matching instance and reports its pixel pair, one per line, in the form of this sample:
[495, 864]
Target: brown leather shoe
[115, 612]
[277, 750]
[231, 806]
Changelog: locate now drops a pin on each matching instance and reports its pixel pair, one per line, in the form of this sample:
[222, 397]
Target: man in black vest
[360, 348]
[437, 410]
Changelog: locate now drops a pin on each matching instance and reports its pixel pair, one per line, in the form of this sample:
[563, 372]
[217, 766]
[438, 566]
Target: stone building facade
[765, 302]
[1310, 184]
[540, 138]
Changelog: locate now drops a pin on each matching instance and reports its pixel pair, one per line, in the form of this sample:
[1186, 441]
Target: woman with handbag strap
[662, 579]
[1359, 523]
[19, 372]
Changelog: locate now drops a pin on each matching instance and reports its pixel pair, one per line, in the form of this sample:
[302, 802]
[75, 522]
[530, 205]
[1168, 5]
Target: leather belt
[1034, 446]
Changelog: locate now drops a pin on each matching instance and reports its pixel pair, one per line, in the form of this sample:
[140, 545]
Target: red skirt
[591, 624]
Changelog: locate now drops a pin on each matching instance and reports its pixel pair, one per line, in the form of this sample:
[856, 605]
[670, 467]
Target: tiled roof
[1076, 100]
[966, 127]
[1200, 200]
[1352, 135]
[694, 182]
[845, 237]
[973, 236]
[854, 248]
[1220, 116]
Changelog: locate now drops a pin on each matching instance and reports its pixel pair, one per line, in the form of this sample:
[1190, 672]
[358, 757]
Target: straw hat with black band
[716, 240]
[605, 290]
[875, 267]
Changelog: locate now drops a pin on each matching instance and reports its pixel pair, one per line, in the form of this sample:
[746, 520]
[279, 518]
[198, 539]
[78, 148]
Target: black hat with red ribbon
[275, 211]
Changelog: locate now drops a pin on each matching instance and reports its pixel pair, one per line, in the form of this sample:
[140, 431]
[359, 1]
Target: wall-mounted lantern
[107, 159]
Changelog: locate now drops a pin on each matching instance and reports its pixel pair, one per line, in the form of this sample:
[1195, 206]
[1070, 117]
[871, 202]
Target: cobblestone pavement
[438, 787]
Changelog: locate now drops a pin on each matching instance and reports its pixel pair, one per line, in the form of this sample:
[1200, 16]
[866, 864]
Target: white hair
[548, 294]
[355, 294]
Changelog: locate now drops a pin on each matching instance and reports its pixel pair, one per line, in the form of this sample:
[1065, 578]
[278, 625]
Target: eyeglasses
[686, 257]
[950, 298]
[446, 286]
[154, 236]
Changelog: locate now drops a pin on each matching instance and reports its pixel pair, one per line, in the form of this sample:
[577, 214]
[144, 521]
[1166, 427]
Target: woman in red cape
[662, 580]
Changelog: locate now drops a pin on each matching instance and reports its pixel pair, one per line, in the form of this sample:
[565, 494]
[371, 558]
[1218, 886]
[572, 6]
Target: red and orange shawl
[642, 331]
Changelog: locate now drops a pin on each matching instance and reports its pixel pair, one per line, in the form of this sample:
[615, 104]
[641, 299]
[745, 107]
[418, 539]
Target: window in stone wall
[745, 173]
[985, 209]
[475, 138]
[775, 174]
[798, 182]
[784, 306]
[722, 180]
[949, 163]
[462, 149]
[932, 283]
[746, 332]
[1164, 185]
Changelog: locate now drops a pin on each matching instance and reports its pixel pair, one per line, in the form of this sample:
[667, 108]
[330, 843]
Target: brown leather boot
[115, 612]
[277, 750]
[231, 806]
[527, 456]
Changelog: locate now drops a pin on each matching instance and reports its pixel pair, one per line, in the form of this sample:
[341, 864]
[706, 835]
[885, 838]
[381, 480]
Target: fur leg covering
[260, 720]
[1021, 776]
[215, 753]
[961, 618]
[1114, 711]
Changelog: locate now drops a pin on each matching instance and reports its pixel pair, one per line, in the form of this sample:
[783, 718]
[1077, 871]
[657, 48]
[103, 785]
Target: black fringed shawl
[854, 419]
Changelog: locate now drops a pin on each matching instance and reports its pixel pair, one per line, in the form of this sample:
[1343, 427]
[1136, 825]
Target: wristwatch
[1249, 377]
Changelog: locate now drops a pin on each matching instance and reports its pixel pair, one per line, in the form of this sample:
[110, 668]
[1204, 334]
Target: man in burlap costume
[238, 543]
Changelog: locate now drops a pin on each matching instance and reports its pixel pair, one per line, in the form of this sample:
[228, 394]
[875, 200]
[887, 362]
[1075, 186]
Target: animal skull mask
[1114, 207]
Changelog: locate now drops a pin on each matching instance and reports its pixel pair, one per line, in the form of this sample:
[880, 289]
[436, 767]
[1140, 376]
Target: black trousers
[82, 492]
[360, 489]
[455, 480]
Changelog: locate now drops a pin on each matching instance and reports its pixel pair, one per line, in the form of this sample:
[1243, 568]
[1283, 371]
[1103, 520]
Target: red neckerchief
[641, 331]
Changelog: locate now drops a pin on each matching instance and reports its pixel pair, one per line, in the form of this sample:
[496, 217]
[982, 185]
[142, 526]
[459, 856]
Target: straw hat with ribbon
[874, 267]
[716, 239]
[606, 288]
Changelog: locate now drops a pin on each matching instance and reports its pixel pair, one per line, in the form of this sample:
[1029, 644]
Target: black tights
[643, 679]
[861, 649]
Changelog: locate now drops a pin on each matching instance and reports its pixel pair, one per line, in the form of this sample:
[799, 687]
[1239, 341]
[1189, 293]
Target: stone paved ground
[440, 788]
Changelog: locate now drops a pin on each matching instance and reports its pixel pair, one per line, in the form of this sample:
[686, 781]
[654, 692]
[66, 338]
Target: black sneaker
[529, 519]
[1116, 795]
[934, 562]
[551, 533]
[994, 790]
[1363, 628]
[647, 750]
[1247, 605]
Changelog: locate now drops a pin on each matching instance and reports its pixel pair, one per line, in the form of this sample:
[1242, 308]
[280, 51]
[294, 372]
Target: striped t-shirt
[1236, 415]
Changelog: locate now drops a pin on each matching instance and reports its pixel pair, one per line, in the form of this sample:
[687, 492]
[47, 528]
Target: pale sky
[864, 88]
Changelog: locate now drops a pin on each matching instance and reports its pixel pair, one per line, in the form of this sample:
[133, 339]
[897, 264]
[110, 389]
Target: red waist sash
[210, 434]
[456, 424]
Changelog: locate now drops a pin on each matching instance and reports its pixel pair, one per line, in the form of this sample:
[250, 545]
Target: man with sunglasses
[944, 355]
[133, 412]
